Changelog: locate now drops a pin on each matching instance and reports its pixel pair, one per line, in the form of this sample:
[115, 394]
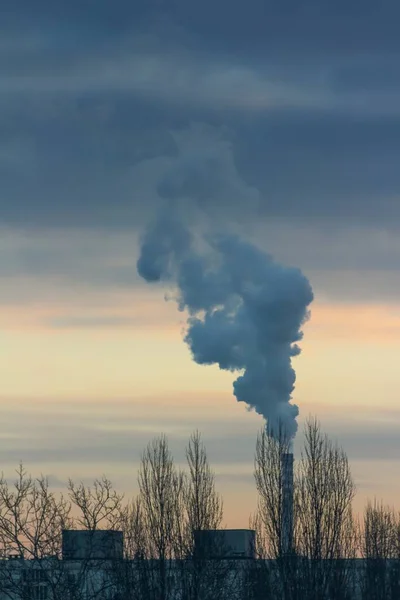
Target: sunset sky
[277, 120]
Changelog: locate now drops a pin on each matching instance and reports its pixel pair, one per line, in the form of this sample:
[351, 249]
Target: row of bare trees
[158, 527]
[332, 555]
[161, 522]
[324, 533]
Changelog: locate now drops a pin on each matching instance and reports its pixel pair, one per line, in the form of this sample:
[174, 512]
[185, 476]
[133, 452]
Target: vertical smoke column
[287, 502]
[245, 311]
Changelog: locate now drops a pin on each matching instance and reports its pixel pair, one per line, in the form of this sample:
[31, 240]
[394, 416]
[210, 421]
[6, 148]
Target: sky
[278, 120]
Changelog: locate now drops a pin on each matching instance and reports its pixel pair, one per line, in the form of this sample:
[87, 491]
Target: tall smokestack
[287, 503]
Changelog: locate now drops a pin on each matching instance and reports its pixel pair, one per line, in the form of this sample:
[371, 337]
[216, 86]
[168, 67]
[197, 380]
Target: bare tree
[325, 528]
[380, 549]
[131, 522]
[271, 514]
[32, 518]
[100, 506]
[204, 511]
[173, 505]
[159, 487]
[259, 574]
[203, 504]
[132, 576]
[268, 473]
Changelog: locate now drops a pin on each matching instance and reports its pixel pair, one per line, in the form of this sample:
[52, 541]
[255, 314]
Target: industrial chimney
[287, 502]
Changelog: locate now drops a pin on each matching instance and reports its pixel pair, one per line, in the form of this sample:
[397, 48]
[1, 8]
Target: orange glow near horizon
[136, 366]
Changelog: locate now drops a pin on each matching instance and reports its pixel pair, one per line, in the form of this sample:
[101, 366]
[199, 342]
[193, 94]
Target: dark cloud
[269, 24]
[92, 91]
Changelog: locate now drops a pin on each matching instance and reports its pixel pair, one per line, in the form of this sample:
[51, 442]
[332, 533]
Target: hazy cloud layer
[92, 270]
[116, 431]
[91, 321]
[110, 435]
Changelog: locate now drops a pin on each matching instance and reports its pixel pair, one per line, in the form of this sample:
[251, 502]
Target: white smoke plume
[245, 311]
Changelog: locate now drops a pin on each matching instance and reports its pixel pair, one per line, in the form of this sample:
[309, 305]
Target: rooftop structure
[225, 543]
